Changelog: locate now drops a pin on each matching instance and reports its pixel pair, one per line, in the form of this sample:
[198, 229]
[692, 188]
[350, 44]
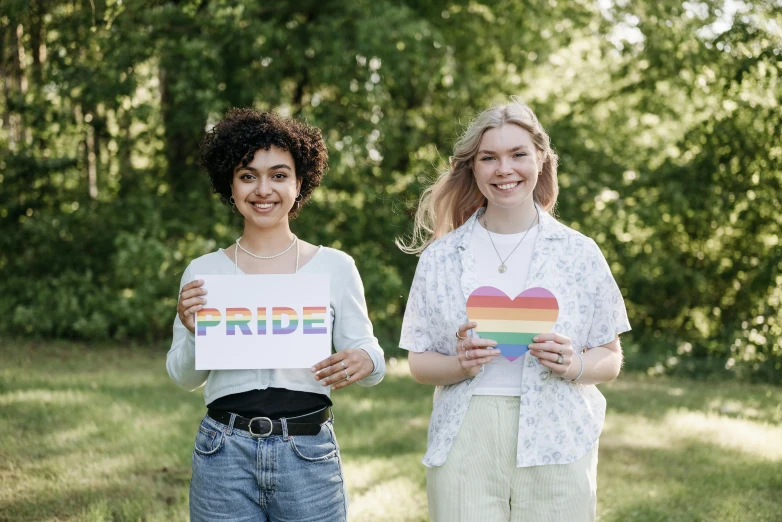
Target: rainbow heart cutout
[512, 323]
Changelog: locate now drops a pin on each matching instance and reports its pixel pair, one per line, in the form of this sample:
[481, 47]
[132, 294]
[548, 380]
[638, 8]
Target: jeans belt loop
[284, 423]
[260, 435]
[231, 424]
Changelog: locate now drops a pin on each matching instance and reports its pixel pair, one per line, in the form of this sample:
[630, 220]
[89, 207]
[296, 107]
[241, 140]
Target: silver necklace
[256, 256]
[503, 268]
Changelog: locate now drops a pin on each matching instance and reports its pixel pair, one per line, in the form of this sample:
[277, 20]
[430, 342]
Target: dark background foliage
[666, 116]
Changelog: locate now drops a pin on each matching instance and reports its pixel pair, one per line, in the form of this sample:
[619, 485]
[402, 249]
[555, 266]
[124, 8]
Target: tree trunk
[184, 125]
[92, 163]
[5, 78]
[37, 45]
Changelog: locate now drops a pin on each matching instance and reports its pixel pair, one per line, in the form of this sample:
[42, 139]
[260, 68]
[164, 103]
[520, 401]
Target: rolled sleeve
[609, 315]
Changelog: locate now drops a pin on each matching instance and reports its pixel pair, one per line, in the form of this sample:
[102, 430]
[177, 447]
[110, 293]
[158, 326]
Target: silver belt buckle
[260, 435]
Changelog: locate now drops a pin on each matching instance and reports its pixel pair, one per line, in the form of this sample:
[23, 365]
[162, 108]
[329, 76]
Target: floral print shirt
[559, 421]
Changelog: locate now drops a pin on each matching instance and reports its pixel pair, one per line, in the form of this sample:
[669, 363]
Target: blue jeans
[281, 478]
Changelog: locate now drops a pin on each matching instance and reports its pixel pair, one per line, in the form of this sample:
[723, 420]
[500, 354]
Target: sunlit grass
[100, 434]
[681, 428]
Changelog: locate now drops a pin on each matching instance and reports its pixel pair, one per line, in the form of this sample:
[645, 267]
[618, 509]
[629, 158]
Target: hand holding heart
[512, 322]
[515, 325]
[473, 352]
[548, 347]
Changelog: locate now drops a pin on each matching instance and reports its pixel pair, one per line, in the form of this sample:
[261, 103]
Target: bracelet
[582, 367]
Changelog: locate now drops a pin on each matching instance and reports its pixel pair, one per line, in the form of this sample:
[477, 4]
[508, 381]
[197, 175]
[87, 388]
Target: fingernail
[535, 339]
[324, 384]
[312, 369]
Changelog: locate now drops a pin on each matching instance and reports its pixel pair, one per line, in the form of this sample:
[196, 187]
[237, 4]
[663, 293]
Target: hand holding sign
[190, 302]
[343, 368]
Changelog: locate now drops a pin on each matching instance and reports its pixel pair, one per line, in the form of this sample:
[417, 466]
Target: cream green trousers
[480, 482]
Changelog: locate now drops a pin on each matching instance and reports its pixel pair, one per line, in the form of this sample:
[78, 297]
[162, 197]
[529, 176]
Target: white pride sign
[256, 322]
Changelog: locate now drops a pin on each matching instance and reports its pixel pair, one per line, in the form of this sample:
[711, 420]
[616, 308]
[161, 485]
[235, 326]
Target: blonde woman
[509, 440]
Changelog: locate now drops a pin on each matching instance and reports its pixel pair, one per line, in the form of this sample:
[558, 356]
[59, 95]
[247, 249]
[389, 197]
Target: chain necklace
[256, 256]
[503, 268]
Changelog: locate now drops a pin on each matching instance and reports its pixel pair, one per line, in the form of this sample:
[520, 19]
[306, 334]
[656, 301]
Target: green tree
[665, 114]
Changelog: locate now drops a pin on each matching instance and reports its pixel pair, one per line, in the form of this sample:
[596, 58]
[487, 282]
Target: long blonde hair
[454, 197]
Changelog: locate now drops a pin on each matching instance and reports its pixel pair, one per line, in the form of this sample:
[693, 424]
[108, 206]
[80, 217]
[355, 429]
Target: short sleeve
[415, 325]
[609, 315]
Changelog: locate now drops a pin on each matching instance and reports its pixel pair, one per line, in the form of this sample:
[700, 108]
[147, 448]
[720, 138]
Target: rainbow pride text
[282, 320]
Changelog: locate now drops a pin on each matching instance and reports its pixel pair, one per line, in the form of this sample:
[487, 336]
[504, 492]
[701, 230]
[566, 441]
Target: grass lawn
[103, 435]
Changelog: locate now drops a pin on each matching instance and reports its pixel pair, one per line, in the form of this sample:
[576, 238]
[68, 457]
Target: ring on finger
[460, 336]
[347, 377]
[342, 362]
[467, 354]
[560, 359]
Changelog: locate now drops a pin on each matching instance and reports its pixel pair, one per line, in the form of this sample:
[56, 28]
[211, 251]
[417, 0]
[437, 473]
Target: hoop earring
[233, 204]
[298, 200]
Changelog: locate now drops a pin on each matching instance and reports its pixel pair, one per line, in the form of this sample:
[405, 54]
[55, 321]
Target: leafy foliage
[666, 116]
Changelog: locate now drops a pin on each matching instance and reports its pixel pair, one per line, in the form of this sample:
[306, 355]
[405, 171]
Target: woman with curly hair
[516, 419]
[266, 449]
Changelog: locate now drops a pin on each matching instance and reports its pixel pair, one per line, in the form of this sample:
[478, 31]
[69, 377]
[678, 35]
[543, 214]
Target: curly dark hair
[241, 132]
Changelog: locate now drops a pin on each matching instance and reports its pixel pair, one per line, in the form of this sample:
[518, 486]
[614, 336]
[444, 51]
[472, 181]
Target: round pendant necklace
[503, 267]
[256, 256]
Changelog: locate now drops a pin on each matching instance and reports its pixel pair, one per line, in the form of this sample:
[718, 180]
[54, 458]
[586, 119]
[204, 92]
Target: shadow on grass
[693, 481]
[657, 396]
[126, 503]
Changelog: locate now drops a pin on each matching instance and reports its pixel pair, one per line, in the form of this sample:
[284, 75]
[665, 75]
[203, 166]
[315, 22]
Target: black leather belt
[261, 427]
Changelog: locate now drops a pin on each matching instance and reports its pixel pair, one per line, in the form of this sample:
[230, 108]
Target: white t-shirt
[502, 377]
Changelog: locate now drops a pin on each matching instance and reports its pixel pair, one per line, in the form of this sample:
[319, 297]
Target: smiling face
[266, 189]
[506, 166]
